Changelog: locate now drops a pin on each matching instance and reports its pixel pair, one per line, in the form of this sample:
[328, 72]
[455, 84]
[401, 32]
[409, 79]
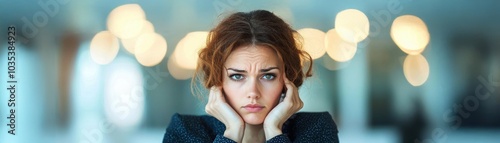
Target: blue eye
[236, 77]
[269, 76]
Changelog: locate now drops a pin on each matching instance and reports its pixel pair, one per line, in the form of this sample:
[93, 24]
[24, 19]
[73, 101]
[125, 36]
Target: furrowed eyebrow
[236, 70]
[244, 71]
[268, 69]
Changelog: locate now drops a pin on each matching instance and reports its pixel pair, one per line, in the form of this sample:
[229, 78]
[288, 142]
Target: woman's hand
[220, 109]
[278, 116]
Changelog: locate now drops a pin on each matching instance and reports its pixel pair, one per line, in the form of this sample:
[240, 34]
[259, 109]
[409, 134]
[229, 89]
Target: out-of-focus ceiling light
[126, 21]
[337, 48]
[104, 47]
[352, 25]
[410, 34]
[313, 42]
[150, 49]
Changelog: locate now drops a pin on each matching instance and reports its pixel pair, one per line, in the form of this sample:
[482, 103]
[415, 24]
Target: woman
[253, 67]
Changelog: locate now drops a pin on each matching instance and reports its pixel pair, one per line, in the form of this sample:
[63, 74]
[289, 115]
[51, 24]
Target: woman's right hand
[220, 109]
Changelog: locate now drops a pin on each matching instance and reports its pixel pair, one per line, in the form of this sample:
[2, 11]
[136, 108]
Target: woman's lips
[253, 108]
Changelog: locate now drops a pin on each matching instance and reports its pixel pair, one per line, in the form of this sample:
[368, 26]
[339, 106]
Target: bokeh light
[410, 33]
[188, 47]
[104, 47]
[331, 64]
[150, 49]
[338, 49]
[126, 21]
[352, 25]
[313, 42]
[416, 69]
[177, 71]
[129, 44]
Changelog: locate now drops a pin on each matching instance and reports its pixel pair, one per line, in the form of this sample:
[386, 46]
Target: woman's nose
[253, 89]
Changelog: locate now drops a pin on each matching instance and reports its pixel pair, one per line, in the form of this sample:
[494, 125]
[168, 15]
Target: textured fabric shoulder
[311, 127]
[300, 127]
[193, 128]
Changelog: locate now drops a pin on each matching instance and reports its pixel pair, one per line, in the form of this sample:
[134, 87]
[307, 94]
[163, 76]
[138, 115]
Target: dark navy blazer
[301, 127]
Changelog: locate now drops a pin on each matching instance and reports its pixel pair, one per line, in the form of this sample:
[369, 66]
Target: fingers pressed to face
[210, 101]
[211, 95]
[290, 88]
[215, 94]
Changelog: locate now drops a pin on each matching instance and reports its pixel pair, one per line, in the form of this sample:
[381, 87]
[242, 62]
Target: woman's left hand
[277, 117]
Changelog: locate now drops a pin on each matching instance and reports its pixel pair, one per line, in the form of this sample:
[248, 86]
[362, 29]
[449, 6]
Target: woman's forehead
[251, 55]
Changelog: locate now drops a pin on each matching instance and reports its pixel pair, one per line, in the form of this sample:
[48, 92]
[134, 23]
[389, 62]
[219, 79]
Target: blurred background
[391, 71]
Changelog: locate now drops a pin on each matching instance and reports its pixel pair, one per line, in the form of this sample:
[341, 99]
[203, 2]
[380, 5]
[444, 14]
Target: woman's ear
[282, 97]
[283, 94]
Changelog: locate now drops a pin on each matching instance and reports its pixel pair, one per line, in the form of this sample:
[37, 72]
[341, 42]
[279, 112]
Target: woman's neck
[253, 133]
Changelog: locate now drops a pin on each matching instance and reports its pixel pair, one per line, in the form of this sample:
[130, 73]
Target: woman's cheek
[273, 88]
[233, 90]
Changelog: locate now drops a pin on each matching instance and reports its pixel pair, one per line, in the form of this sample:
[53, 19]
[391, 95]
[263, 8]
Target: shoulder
[312, 118]
[196, 127]
[196, 122]
[192, 118]
[304, 125]
[312, 115]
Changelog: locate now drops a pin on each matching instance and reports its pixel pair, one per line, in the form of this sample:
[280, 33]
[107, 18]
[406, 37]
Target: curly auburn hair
[257, 27]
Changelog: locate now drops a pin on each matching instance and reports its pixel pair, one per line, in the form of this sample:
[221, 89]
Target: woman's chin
[253, 119]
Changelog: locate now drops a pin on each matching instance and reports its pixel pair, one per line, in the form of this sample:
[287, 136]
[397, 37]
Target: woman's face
[253, 82]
